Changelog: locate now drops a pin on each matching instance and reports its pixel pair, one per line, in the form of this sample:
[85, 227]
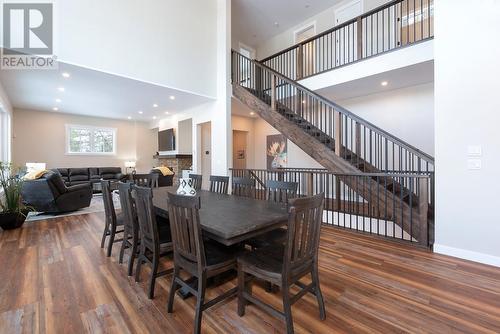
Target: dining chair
[201, 259]
[219, 184]
[156, 240]
[197, 181]
[145, 180]
[279, 192]
[111, 220]
[131, 226]
[285, 265]
[243, 186]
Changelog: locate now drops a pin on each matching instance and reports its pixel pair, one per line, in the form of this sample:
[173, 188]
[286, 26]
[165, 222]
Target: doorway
[240, 149]
[308, 50]
[345, 39]
[206, 153]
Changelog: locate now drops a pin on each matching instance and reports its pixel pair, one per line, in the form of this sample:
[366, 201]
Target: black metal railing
[394, 25]
[364, 145]
[347, 208]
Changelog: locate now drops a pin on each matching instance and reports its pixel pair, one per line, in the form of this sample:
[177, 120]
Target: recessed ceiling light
[166, 113]
[65, 74]
[252, 113]
[384, 83]
[58, 100]
[61, 89]
[129, 117]
[55, 108]
[303, 101]
[155, 105]
[172, 97]
[276, 24]
[140, 112]
[154, 117]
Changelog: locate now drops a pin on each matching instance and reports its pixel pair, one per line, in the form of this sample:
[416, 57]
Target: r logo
[27, 28]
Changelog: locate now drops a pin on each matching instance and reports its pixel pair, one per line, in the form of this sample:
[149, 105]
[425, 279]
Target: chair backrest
[197, 181]
[243, 186]
[146, 180]
[280, 191]
[143, 198]
[109, 207]
[185, 226]
[128, 206]
[304, 226]
[219, 184]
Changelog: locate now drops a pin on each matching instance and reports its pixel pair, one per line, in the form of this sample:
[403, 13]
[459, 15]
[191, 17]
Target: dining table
[229, 219]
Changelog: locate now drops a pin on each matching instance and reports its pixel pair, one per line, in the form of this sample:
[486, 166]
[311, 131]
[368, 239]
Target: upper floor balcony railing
[392, 26]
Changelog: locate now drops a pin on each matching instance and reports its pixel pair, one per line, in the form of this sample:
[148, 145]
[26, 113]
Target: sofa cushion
[78, 174]
[64, 172]
[94, 172]
[74, 183]
[108, 173]
[56, 182]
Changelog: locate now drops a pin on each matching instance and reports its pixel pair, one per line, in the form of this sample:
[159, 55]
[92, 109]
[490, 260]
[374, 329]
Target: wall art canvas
[277, 151]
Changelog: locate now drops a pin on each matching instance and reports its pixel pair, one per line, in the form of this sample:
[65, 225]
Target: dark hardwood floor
[54, 278]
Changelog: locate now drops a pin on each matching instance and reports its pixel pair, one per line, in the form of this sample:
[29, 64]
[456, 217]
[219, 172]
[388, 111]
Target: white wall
[324, 21]
[40, 137]
[218, 112]
[407, 113]
[169, 43]
[467, 113]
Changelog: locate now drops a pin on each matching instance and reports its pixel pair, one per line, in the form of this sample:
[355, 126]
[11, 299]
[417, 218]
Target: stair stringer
[408, 219]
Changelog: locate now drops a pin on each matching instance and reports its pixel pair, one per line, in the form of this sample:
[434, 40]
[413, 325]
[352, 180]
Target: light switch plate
[474, 151]
[474, 164]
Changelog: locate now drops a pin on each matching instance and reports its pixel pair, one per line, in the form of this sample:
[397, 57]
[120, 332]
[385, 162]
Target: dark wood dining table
[229, 219]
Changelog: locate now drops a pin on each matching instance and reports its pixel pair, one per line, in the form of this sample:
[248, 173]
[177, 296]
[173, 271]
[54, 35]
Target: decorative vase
[186, 187]
[10, 221]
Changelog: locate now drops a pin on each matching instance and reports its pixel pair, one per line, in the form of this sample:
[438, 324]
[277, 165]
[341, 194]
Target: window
[90, 140]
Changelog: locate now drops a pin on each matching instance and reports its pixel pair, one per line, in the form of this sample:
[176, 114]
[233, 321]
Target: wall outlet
[474, 164]
[474, 151]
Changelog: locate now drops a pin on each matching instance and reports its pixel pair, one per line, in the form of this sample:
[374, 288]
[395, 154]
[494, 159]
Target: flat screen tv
[166, 140]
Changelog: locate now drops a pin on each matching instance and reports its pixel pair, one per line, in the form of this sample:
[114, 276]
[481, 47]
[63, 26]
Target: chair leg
[173, 289]
[241, 287]
[111, 240]
[133, 254]
[140, 260]
[287, 308]
[104, 235]
[122, 248]
[317, 292]
[202, 282]
[152, 279]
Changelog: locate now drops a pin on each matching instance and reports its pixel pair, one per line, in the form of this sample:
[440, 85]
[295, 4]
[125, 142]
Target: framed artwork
[277, 151]
[240, 154]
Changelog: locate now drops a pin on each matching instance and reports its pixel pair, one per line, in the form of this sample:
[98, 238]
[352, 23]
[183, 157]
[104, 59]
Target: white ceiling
[93, 93]
[254, 20]
[400, 78]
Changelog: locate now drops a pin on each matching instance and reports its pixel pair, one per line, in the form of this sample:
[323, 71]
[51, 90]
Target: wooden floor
[54, 278]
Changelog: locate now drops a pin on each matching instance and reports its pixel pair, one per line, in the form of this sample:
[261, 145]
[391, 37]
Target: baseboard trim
[468, 255]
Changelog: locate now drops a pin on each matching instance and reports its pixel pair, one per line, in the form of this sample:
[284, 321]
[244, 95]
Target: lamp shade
[34, 166]
[130, 164]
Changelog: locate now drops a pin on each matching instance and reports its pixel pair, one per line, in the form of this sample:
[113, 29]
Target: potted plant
[12, 211]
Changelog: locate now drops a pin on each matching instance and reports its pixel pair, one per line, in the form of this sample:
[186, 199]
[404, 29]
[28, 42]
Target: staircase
[340, 141]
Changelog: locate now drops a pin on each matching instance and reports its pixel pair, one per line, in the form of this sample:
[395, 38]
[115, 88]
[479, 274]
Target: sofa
[75, 176]
[164, 180]
[50, 194]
